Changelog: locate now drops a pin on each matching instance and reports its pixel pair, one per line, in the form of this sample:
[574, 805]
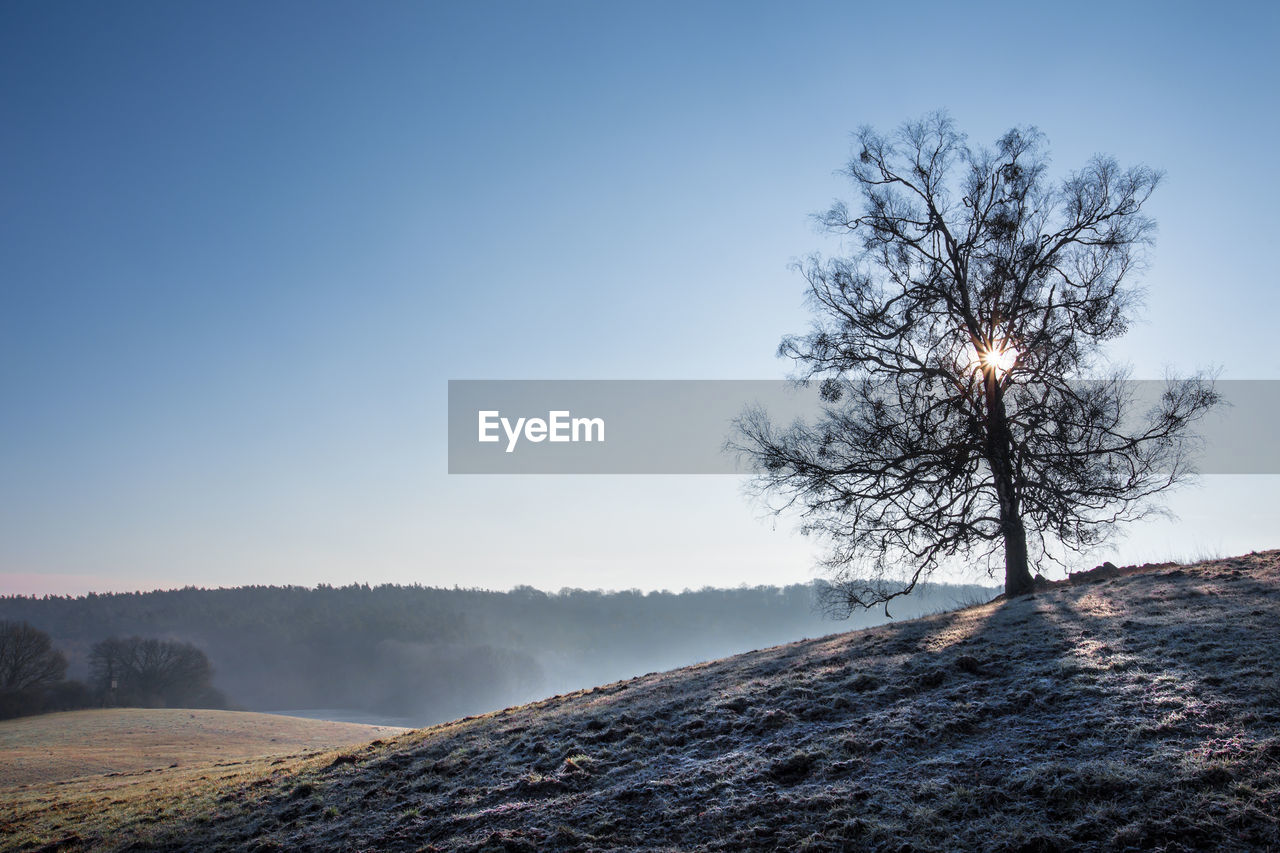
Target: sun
[999, 358]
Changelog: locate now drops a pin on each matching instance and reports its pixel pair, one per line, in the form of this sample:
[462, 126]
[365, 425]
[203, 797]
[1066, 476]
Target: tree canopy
[152, 672]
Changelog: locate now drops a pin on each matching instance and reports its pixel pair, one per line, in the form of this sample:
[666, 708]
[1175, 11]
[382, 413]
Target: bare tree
[151, 672]
[950, 345]
[28, 660]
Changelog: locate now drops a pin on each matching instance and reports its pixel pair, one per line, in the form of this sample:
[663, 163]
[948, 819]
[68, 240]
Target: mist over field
[417, 656]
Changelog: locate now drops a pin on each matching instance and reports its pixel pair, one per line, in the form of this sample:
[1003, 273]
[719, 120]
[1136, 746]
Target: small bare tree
[950, 346]
[28, 660]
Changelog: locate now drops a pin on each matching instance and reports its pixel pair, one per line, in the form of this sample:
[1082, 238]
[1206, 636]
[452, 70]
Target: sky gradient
[244, 246]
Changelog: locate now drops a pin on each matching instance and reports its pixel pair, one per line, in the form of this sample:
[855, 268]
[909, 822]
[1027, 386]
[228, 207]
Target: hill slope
[1137, 712]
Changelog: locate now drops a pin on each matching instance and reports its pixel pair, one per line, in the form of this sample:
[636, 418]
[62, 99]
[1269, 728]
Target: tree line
[132, 671]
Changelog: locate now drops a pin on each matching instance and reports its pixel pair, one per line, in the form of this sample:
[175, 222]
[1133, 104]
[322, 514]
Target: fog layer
[417, 656]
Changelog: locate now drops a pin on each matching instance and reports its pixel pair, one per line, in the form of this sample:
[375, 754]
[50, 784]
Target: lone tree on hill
[951, 349]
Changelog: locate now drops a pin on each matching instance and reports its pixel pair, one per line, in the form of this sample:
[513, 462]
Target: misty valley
[414, 656]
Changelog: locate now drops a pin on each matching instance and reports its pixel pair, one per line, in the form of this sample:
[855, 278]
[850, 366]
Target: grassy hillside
[1134, 712]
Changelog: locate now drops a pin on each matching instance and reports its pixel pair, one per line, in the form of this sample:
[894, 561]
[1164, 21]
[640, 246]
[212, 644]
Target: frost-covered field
[1135, 712]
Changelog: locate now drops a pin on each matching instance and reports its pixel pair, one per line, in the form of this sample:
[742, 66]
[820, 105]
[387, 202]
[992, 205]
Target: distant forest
[424, 655]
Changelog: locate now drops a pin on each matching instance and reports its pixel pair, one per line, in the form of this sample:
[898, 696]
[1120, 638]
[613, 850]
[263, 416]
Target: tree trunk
[1017, 575]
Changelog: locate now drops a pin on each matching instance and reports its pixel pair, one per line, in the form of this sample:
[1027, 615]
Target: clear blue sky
[243, 247]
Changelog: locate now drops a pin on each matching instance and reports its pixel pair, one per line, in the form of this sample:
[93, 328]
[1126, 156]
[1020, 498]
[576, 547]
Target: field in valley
[75, 770]
[128, 741]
